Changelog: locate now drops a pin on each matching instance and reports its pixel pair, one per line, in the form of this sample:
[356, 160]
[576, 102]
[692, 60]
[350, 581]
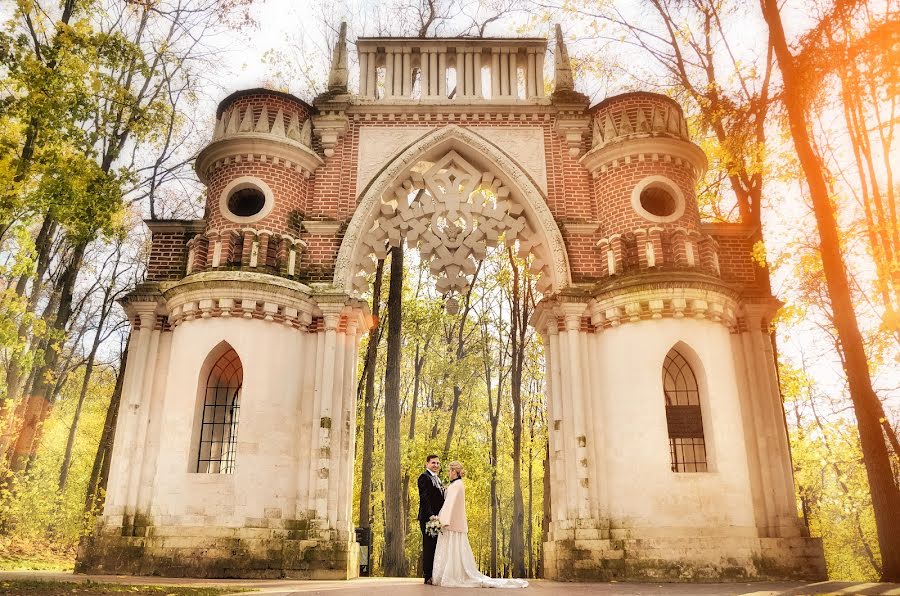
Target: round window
[658, 201]
[246, 202]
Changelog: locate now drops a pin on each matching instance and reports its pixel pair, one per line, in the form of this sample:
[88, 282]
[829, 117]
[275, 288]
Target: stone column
[433, 72]
[135, 406]
[336, 428]
[766, 392]
[407, 73]
[504, 73]
[496, 90]
[425, 74]
[363, 74]
[476, 74]
[160, 366]
[442, 73]
[398, 74]
[539, 74]
[530, 88]
[513, 74]
[117, 484]
[389, 73]
[563, 422]
[318, 491]
[351, 360]
[460, 73]
[372, 75]
[572, 313]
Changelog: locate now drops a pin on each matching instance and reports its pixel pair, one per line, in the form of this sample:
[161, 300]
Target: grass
[89, 588]
[29, 557]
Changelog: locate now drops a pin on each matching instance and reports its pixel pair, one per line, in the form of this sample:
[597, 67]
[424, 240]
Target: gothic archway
[451, 194]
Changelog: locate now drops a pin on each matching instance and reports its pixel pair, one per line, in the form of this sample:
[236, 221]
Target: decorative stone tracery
[452, 213]
[526, 201]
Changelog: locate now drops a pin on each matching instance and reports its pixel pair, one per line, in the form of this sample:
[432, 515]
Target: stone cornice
[580, 229]
[248, 279]
[645, 280]
[443, 111]
[654, 296]
[174, 226]
[610, 155]
[255, 296]
[142, 296]
[269, 147]
[322, 228]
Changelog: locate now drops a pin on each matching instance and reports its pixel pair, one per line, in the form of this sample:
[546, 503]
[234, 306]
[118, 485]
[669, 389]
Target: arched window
[221, 406]
[687, 448]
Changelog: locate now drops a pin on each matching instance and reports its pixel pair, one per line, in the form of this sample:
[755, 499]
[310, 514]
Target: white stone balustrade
[482, 69]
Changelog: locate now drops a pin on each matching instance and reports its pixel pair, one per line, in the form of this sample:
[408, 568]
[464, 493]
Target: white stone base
[642, 554]
[263, 548]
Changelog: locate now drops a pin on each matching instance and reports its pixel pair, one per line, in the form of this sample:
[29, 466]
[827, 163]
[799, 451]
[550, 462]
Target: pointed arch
[219, 400]
[484, 155]
[684, 418]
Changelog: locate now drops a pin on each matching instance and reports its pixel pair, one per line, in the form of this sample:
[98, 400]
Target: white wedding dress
[454, 563]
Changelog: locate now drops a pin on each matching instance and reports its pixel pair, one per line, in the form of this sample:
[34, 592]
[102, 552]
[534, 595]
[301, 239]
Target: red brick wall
[334, 192]
[573, 196]
[735, 260]
[613, 190]
[168, 256]
[289, 187]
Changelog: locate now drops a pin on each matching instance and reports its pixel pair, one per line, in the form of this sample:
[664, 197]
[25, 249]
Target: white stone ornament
[452, 214]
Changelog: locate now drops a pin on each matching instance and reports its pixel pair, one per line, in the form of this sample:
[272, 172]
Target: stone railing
[256, 250]
[394, 69]
[654, 248]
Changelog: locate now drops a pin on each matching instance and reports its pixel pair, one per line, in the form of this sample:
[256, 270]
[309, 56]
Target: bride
[454, 563]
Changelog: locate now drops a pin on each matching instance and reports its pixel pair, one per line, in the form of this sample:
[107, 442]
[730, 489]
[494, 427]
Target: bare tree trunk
[38, 405]
[394, 556]
[100, 472]
[85, 383]
[411, 435]
[459, 354]
[42, 244]
[885, 493]
[368, 446]
[519, 298]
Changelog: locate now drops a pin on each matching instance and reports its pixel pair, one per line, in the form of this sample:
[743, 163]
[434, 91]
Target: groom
[431, 499]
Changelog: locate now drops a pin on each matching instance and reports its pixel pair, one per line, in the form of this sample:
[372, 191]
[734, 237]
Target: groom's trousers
[429, 544]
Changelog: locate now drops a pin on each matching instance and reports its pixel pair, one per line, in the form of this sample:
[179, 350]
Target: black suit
[431, 499]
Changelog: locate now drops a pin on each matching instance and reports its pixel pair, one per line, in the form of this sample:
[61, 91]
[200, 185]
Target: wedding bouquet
[433, 526]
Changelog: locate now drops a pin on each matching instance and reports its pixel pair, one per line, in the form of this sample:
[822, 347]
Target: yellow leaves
[758, 253]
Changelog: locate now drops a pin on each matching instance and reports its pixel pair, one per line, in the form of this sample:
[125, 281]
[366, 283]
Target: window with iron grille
[221, 407]
[687, 448]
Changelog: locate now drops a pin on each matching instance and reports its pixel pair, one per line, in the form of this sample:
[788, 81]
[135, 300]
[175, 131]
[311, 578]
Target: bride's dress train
[454, 563]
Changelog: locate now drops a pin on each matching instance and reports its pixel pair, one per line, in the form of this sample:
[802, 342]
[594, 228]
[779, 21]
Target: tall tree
[368, 426]
[395, 563]
[885, 492]
[521, 303]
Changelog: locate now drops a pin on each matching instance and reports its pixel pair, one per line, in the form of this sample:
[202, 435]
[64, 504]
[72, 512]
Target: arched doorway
[452, 204]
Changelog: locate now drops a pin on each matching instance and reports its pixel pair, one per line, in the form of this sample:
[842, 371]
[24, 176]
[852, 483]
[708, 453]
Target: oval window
[658, 201]
[246, 202]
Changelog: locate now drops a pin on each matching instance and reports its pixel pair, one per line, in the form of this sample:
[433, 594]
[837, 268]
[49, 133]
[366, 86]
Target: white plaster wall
[268, 458]
[642, 490]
